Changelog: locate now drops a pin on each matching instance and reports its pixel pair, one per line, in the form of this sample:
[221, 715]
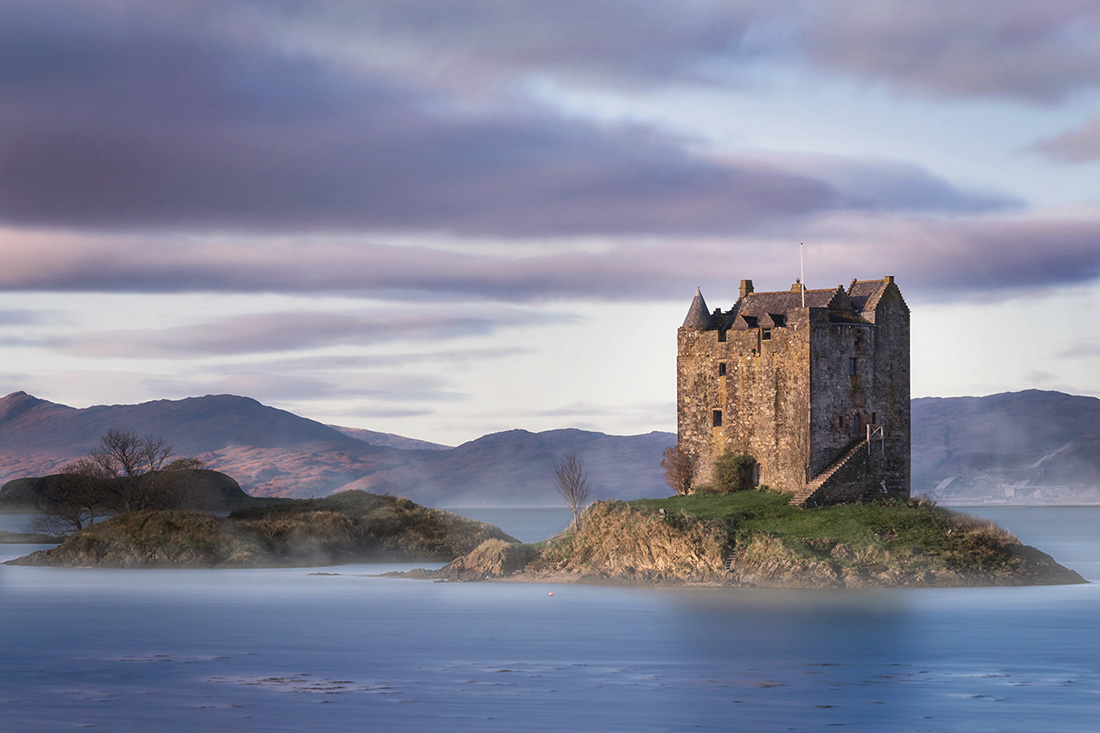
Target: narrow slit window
[721, 369]
[852, 366]
[717, 418]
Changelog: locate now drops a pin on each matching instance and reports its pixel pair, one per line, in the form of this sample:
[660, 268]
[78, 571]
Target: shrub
[734, 472]
[679, 468]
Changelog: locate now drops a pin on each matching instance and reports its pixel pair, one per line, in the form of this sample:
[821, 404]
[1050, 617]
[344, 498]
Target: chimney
[746, 287]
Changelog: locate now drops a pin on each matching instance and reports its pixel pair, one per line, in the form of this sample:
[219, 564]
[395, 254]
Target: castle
[813, 384]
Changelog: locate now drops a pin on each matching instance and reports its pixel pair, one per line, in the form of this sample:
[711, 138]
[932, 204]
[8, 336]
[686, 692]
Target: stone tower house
[813, 384]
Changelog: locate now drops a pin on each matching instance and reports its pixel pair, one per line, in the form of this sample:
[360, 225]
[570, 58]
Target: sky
[449, 218]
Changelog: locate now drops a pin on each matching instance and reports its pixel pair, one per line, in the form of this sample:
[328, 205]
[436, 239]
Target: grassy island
[753, 538]
[352, 526]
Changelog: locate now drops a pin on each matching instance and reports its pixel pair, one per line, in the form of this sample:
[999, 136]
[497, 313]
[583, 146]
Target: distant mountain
[389, 440]
[1017, 447]
[1030, 447]
[272, 452]
[516, 468]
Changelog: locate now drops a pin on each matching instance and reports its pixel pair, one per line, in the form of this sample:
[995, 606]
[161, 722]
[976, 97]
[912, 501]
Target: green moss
[905, 536]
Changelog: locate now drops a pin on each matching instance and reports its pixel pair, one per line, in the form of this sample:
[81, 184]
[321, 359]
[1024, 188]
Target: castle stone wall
[796, 393]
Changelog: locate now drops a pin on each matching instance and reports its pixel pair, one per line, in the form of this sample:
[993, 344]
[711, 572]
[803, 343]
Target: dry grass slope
[347, 527]
[757, 539]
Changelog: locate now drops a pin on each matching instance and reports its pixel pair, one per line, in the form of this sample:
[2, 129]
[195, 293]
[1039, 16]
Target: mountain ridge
[1031, 446]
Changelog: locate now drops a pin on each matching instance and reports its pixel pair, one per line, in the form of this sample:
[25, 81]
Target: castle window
[721, 369]
[721, 336]
[717, 418]
[874, 418]
[766, 334]
[852, 366]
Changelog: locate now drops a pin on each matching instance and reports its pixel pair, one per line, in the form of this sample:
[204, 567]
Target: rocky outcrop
[630, 543]
[353, 526]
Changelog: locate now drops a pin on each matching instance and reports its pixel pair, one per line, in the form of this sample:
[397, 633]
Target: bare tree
[73, 499]
[124, 473]
[679, 468]
[125, 457]
[572, 484]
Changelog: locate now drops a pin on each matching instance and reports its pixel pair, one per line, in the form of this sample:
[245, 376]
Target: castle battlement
[798, 379]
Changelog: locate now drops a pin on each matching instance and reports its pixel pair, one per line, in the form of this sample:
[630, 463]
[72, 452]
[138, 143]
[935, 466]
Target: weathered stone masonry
[812, 384]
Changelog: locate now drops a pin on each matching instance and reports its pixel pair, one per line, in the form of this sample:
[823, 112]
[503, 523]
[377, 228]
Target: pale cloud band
[178, 140]
[944, 259]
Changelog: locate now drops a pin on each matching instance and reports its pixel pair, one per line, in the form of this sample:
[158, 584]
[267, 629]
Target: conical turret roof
[698, 316]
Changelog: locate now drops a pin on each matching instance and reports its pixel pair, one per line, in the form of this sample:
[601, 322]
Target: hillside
[1018, 447]
[272, 452]
[1015, 447]
[197, 489]
[389, 440]
[516, 468]
[349, 527]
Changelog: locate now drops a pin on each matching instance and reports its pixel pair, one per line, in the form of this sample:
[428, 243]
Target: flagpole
[802, 274]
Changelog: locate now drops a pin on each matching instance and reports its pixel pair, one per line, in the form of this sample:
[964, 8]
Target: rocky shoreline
[625, 544]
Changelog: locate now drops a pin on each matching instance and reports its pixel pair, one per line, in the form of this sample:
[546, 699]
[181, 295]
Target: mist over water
[284, 649]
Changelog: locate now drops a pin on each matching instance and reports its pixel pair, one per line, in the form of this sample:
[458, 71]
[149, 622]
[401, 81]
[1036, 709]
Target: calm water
[287, 650]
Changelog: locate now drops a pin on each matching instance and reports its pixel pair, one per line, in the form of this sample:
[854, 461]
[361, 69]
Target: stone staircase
[802, 497]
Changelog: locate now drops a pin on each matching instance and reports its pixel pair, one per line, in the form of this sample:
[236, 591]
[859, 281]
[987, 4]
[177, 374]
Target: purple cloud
[278, 332]
[142, 124]
[156, 120]
[282, 388]
[1078, 145]
[998, 48]
[951, 258]
[1036, 52]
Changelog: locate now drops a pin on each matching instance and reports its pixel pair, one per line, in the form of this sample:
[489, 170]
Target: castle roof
[866, 295]
[698, 316]
[856, 305]
[757, 305]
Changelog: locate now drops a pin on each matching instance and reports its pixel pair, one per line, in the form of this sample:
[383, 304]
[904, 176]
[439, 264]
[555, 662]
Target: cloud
[453, 358]
[141, 124]
[1019, 49]
[164, 120]
[1079, 145]
[1084, 348]
[960, 260]
[893, 186]
[280, 332]
[12, 317]
[948, 258]
[275, 388]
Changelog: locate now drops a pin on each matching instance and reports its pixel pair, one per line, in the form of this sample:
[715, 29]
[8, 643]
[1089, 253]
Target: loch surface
[286, 649]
